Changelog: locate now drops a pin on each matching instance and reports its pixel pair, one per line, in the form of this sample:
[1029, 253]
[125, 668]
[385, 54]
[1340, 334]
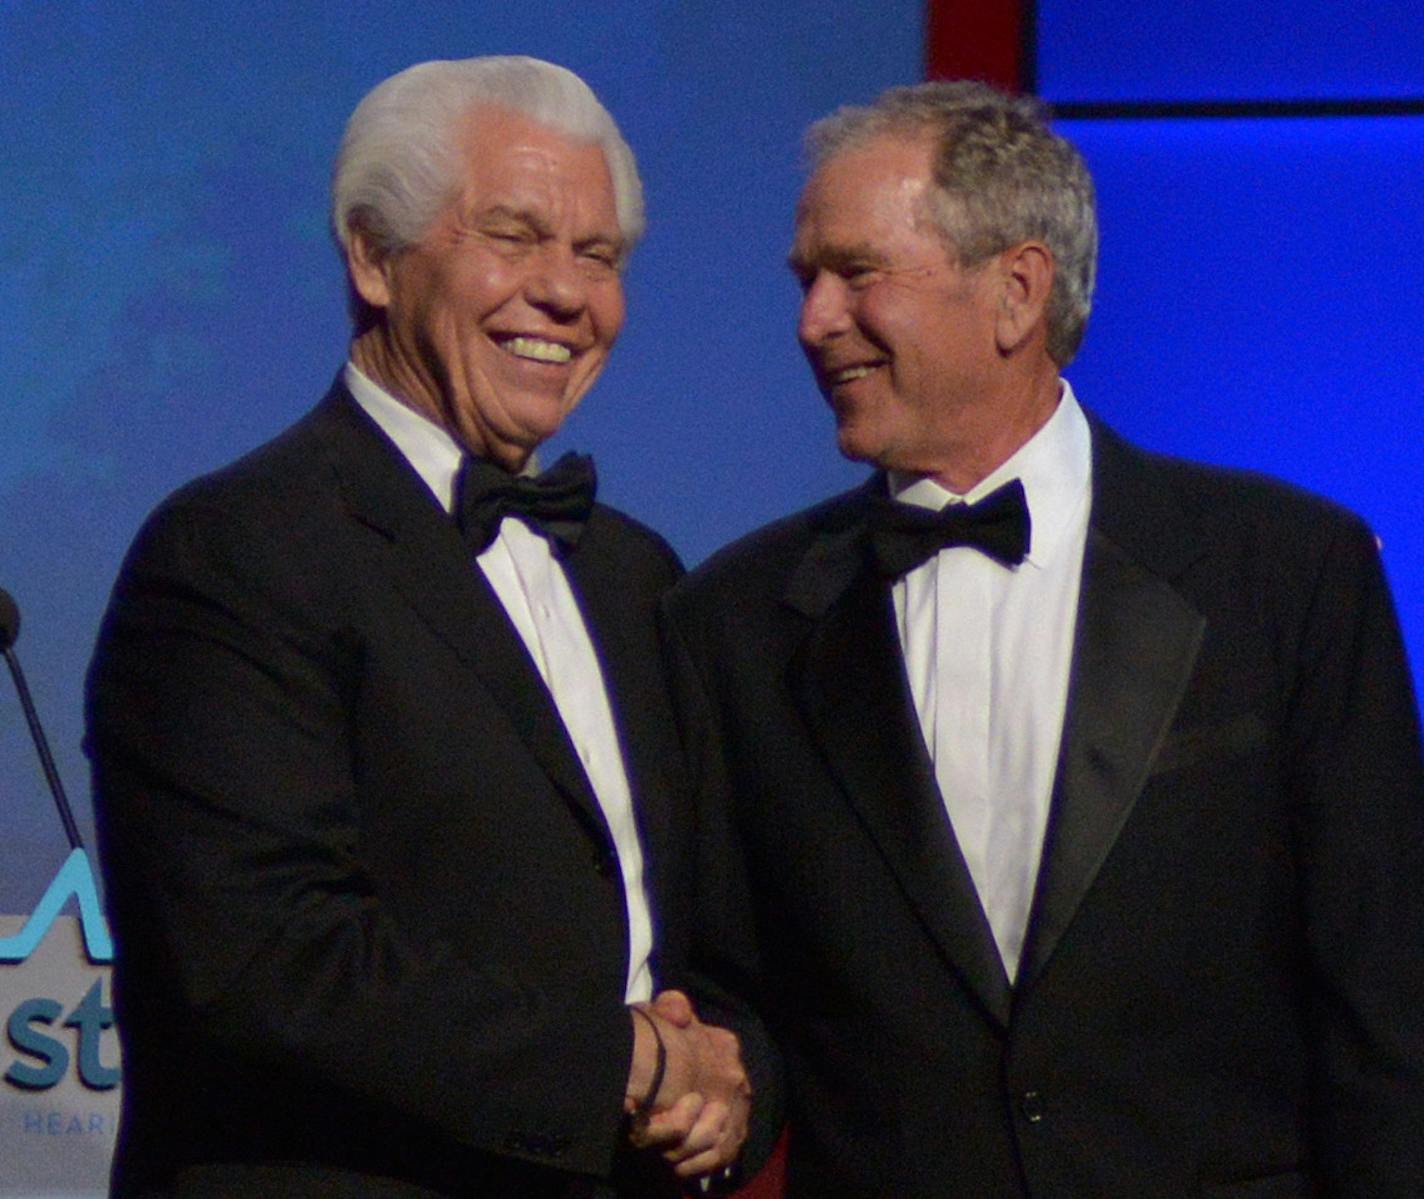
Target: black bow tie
[903, 535]
[555, 504]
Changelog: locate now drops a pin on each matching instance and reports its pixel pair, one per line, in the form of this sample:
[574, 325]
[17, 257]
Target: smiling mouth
[849, 374]
[536, 349]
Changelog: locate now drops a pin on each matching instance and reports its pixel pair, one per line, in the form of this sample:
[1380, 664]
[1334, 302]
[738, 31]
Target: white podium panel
[59, 1067]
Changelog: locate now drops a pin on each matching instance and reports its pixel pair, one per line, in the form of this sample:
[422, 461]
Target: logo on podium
[59, 1062]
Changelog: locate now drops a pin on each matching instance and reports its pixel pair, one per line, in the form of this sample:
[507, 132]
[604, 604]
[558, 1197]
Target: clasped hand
[699, 1115]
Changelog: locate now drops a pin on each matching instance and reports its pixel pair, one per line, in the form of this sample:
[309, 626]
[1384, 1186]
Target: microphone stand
[32, 718]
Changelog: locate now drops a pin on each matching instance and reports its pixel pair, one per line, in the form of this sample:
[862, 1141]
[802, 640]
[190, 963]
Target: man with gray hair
[388, 788]
[1063, 804]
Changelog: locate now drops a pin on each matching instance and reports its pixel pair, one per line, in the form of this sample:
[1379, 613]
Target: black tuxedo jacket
[1223, 987]
[370, 925]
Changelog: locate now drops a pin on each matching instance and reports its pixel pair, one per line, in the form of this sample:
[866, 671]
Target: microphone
[9, 620]
[9, 634]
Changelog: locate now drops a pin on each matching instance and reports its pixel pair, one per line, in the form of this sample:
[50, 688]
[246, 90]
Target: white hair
[399, 163]
[1001, 176]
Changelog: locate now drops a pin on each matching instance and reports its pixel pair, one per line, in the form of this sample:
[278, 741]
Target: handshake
[688, 1095]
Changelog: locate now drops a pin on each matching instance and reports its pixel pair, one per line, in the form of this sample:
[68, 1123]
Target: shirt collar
[1054, 465]
[431, 451]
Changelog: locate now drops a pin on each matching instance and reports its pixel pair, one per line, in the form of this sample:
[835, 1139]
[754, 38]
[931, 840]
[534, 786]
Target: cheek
[608, 309]
[918, 334]
[477, 288]
[879, 318]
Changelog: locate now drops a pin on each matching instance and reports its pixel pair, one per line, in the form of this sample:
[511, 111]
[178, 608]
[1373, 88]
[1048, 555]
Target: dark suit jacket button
[1031, 1106]
[604, 864]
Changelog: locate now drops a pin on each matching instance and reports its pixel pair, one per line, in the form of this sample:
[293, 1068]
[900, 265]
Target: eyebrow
[533, 221]
[836, 258]
[520, 216]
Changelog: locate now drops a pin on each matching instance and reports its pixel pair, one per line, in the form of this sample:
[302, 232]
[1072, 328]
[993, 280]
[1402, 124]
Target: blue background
[171, 297]
[1229, 49]
[1260, 301]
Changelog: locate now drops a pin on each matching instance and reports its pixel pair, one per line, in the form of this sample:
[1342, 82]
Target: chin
[854, 445]
[538, 423]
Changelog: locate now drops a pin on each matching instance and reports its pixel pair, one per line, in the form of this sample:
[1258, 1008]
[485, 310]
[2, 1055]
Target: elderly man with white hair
[387, 790]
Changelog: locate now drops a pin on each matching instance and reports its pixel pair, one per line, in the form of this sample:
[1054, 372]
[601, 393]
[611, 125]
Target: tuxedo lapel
[849, 681]
[1136, 643]
[430, 565]
[631, 663]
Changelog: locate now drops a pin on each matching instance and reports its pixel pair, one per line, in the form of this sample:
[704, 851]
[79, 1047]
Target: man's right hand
[699, 1114]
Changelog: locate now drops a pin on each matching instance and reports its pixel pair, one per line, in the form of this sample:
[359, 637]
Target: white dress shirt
[535, 592]
[988, 649]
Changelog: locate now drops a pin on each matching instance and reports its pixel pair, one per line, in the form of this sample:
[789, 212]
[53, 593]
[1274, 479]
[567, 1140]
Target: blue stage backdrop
[1259, 301]
[1227, 50]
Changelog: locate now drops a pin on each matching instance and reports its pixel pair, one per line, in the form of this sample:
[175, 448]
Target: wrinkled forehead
[492, 131]
[867, 171]
[509, 157]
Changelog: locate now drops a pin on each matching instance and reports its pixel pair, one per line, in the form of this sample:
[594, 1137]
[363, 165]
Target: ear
[1026, 278]
[367, 266]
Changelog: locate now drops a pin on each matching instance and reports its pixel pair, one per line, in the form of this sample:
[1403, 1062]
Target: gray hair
[1001, 177]
[399, 165]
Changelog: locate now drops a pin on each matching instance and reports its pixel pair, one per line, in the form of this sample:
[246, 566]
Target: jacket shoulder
[280, 473]
[631, 540]
[271, 531]
[1137, 489]
[760, 564]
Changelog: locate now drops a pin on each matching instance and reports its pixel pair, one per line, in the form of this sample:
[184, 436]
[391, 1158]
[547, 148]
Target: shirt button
[1031, 1106]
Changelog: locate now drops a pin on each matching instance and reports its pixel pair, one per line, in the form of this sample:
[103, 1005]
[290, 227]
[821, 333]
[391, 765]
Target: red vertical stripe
[980, 39]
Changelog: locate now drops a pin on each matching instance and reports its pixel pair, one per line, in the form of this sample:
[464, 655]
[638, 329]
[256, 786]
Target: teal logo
[45, 1059]
[75, 879]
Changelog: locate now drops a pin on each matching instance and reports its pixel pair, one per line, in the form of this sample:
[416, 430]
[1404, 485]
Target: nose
[824, 312]
[556, 284]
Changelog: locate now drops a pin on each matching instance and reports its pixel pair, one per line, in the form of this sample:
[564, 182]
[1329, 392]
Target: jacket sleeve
[723, 956]
[1354, 763]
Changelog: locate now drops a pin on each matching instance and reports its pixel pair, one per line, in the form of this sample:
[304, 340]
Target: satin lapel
[849, 680]
[631, 662]
[1136, 644]
[431, 567]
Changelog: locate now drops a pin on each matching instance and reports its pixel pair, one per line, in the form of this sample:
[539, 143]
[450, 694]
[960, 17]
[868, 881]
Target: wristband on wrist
[645, 1105]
